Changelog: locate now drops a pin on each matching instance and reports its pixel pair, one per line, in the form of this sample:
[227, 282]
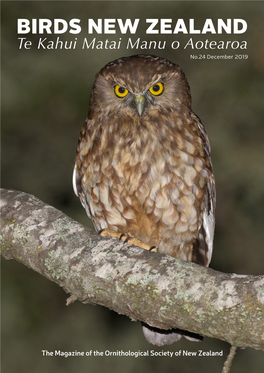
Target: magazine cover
[132, 174]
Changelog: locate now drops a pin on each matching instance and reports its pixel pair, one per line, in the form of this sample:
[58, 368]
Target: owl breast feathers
[143, 165]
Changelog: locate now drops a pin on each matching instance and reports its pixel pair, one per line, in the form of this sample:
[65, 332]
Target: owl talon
[122, 236]
[154, 249]
[127, 239]
[136, 242]
[107, 232]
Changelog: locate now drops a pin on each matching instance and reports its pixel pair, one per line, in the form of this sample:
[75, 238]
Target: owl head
[140, 85]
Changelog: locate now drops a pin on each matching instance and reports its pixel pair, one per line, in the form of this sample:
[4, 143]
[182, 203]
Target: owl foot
[137, 242]
[107, 232]
[123, 237]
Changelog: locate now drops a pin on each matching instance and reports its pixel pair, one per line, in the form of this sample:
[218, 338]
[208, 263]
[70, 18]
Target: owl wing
[77, 187]
[203, 247]
[206, 234]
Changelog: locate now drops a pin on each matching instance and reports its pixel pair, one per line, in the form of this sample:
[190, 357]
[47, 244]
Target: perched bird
[143, 166]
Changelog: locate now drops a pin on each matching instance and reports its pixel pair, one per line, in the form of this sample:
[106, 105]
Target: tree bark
[161, 291]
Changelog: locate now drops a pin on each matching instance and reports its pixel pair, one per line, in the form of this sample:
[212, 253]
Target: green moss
[9, 221]
[55, 267]
[5, 246]
[98, 290]
[20, 235]
[63, 227]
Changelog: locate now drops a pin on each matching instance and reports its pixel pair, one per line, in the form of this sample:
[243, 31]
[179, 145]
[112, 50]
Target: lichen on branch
[154, 288]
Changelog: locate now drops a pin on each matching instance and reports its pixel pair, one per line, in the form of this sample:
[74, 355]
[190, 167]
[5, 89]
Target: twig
[229, 359]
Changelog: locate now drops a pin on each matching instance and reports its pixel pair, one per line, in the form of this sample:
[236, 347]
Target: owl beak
[139, 101]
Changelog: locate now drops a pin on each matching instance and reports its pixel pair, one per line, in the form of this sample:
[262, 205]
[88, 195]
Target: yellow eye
[157, 89]
[120, 91]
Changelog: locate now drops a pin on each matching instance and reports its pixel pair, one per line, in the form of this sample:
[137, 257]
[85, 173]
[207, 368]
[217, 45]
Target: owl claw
[123, 237]
[107, 232]
[136, 242]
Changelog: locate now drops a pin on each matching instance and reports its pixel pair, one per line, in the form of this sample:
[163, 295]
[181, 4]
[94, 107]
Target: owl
[143, 169]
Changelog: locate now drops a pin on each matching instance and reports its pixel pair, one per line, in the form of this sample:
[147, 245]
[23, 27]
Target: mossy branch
[150, 287]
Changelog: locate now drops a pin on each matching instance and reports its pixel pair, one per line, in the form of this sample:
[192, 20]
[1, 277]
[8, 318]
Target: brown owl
[143, 166]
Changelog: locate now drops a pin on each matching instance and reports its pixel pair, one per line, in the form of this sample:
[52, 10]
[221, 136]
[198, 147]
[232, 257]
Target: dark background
[45, 95]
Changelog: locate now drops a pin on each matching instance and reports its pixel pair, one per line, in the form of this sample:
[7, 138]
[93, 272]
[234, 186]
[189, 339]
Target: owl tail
[159, 337]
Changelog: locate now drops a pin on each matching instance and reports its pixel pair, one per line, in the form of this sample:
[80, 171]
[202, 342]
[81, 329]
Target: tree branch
[150, 287]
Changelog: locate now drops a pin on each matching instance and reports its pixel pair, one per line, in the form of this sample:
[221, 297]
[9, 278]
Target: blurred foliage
[45, 95]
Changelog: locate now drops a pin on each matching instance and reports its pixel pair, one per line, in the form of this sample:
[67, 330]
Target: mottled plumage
[143, 165]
